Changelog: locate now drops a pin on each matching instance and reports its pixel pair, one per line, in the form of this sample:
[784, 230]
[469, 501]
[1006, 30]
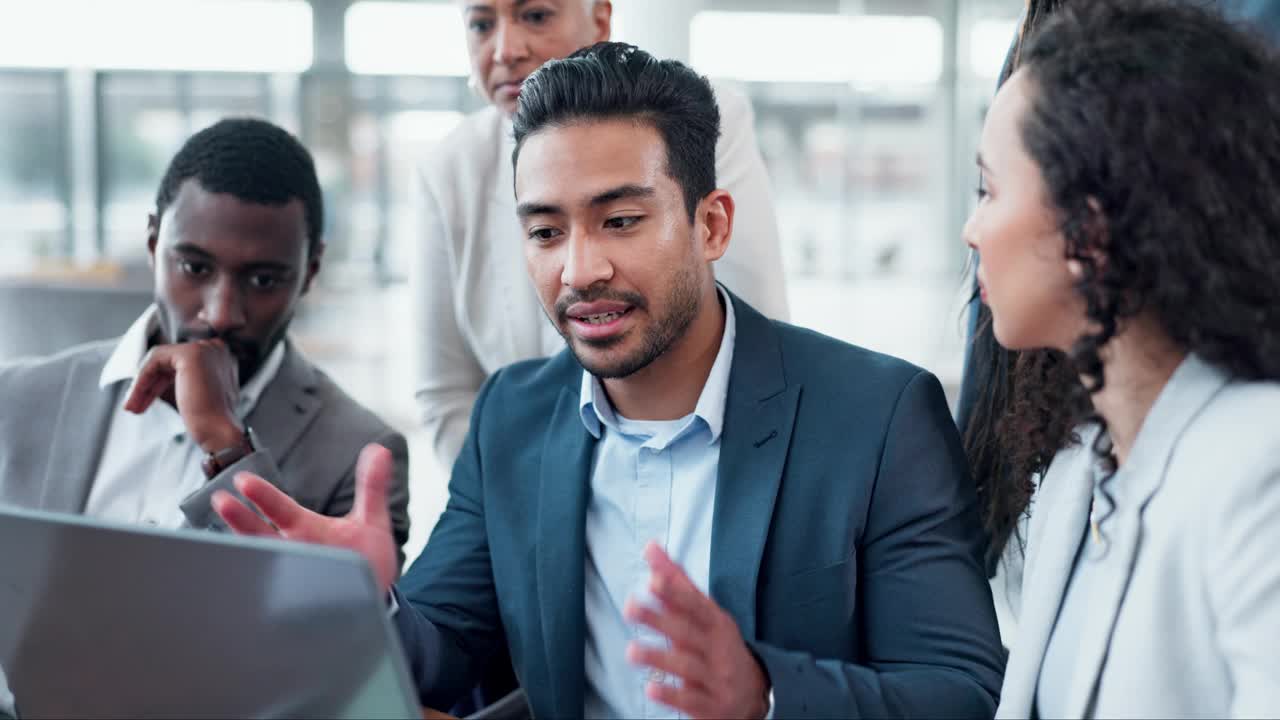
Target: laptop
[105, 620]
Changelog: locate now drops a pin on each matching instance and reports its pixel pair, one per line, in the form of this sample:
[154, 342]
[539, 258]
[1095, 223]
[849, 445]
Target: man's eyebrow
[526, 210]
[268, 266]
[259, 266]
[622, 192]
[189, 249]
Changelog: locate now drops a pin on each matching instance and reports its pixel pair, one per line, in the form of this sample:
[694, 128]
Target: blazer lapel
[760, 413]
[287, 405]
[564, 479]
[1065, 493]
[1187, 392]
[80, 433]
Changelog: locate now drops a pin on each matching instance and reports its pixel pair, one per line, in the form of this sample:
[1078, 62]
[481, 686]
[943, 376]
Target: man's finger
[373, 479]
[292, 519]
[154, 377]
[676, 591]
[676, 627]
[691, 670]
[691, 701]
[239, 517]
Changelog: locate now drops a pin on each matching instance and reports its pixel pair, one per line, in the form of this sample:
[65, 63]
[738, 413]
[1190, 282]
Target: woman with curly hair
[1129, 234]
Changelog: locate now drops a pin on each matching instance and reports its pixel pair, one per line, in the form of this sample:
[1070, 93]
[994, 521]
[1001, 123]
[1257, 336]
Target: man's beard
[684, 299]
[248, 354]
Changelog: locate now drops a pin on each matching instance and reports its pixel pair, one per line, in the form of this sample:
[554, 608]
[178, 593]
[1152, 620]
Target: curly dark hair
[1156, 125]
[995, 381]
[252, 160]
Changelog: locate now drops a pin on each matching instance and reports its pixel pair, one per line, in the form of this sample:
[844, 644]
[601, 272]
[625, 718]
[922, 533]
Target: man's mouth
[602, 319]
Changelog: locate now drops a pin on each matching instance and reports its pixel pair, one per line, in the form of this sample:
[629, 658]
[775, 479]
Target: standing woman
[476, 310]
[1128, 223]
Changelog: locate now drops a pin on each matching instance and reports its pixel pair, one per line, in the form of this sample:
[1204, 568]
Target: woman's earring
[1075, 268]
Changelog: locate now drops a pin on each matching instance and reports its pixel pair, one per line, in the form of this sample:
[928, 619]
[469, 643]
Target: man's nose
[223, 309]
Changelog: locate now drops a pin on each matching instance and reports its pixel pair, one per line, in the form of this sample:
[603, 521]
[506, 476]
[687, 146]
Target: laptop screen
[99, 619]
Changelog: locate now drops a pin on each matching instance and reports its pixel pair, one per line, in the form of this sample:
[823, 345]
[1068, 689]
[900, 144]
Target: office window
[869, 51]
[199, 35]
[866, 121]
[989, 41]
[144, 118]
[33, 169]
[366, 163]
[399, 38]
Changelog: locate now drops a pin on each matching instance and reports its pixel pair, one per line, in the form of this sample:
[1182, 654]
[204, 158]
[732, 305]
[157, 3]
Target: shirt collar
[597, 413]
[124, 361]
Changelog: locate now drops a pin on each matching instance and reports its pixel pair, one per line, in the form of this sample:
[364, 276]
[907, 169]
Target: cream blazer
[475, 309]
[1184, 617]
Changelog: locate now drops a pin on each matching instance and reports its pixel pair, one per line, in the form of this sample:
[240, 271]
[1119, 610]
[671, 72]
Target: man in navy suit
[692, 509]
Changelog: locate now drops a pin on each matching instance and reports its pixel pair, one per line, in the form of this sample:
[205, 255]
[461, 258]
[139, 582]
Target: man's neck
[1137, 366]
[669, 387]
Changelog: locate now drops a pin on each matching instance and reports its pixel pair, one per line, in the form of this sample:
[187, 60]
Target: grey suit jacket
[1184, 616]
[55, 418]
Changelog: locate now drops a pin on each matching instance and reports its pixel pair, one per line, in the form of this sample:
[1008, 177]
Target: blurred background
[867, 114]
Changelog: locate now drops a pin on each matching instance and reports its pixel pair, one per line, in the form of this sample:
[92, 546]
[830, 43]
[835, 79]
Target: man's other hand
[719, 676]
[365, 530]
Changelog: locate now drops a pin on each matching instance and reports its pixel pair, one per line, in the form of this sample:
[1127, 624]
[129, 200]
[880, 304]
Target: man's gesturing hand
[720, 677]
[366, 529]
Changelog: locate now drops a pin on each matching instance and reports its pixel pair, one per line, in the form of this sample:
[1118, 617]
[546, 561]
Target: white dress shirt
[475, 309]
[8, 708]
[651, 480]
[149, 464]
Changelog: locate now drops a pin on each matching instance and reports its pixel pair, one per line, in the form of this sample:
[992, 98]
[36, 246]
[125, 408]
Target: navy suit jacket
[845, 540]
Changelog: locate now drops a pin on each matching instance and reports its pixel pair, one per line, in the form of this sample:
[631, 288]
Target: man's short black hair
[612, 80]
[252, 160]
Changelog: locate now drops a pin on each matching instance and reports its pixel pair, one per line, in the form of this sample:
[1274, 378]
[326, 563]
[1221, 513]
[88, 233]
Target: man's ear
[602, 18]
[153, 238]
[715, 224]
[313, 266]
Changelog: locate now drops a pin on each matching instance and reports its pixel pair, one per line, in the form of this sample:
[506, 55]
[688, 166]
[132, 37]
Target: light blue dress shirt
[651, 480]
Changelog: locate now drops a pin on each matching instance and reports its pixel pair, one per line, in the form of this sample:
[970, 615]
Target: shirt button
[179, 438]
[152, 522]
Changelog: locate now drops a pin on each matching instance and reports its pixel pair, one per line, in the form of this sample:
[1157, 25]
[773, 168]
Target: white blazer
[476, 309]
[1184, 614]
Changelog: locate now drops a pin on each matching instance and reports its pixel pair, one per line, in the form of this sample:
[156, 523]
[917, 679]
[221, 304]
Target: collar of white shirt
[124, 361]
[597, 413]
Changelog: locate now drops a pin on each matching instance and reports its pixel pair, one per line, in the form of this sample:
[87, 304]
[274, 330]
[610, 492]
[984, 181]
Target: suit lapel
[760, 412]
[79, 435]
[1065, 494]
[564, 479]
[1192, 386]
[287, 405]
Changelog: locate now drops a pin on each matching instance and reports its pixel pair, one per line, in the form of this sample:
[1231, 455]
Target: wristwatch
[216, 462]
